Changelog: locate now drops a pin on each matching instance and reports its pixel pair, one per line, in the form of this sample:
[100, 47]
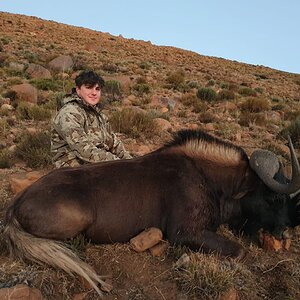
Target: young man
[80, 131]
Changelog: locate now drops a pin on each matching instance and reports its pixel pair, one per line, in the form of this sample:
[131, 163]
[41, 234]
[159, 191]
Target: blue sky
[259, 32]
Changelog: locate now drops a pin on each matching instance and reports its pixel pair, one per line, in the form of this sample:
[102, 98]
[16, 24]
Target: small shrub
[34, 149]
[141, 88]
[246, 91]
[134, 124]
[145, 65]
[207, 94]
[206, 277]
[293, 130]
[247, 118]
[176, 78]
[193, 84]
[47, 84]
[113, 89]
[226, 95]
[189, 99]
[109, 67]
[211, 83]
[259, 90]
[207, 117]
[4, 126]
[255, 105]
[26, 111]
[292, 115]
[6, 159]
[184, 88]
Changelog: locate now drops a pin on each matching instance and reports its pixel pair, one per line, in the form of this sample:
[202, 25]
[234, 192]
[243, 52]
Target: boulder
[61, 63]
[37, 71]
[146, 239]
[20, 292]
[26, 92]
[162, 124]
[16, 66]
[19, 182]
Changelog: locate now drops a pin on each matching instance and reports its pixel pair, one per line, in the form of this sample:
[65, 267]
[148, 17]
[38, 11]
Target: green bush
[134, 124]
[255, 105]
[293, 130]
[207, 94]
[26, 111]
[4, 126]
[6, 159]
[34, 149]
[141, 88]
[47, 84]
[246, 91]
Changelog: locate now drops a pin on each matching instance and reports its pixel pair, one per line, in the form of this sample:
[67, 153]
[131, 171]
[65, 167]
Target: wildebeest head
[272, 206]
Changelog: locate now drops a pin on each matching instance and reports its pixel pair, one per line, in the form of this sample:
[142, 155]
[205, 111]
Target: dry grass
[134, 124]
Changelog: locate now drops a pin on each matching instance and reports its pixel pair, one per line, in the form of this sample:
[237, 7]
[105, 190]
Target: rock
[231, 294]
[61, 63]
[20, 292]
[159, 249]
[209, 127]
[164, 110]
[146, 239]
[270, 243]
[6, 106]
[19, 182]
[183, 261]
[37, 71]
[16, 66]
[81, 296]
[26, 92]
[162, 124]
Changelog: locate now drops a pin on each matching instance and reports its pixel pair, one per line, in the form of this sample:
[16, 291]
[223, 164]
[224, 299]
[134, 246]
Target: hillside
[166, 89]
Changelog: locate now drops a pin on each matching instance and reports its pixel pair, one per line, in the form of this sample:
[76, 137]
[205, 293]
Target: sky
[258, 32]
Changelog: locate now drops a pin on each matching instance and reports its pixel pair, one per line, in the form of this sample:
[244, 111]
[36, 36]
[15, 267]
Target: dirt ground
[139, 276]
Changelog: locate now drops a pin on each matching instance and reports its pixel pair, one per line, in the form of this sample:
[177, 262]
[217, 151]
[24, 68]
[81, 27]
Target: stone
[270, 243]
[26, 92]
[37, 71]
[231, 294]
[162, 124]
[61, 63]
[146, 239]
[6, 106]
[20, 292]
[159, 249]
[19, 182]
[16, 66]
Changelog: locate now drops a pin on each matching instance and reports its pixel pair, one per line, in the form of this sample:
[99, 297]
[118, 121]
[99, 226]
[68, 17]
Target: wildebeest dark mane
[196, 143]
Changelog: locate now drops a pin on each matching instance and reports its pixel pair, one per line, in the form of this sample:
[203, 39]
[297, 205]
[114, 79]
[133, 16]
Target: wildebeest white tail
[54, 253]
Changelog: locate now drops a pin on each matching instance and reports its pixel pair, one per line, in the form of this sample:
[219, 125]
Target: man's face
[90, 94]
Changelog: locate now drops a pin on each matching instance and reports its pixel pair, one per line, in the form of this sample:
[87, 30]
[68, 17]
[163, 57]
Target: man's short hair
[89, 78]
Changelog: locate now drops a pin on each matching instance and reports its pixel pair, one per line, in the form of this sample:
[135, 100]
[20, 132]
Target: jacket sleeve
[117, 146]
[69, 124]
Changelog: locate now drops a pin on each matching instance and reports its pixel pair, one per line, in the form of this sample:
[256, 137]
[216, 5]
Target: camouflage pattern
[82, 134]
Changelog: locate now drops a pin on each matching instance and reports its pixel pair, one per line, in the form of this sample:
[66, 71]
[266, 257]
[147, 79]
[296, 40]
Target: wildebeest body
[187, 189]
[114, 201]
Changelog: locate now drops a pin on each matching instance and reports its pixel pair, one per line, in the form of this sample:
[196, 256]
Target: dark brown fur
[186, 189]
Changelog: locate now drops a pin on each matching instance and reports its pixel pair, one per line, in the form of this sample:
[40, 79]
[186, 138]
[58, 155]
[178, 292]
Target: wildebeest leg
[208, 241]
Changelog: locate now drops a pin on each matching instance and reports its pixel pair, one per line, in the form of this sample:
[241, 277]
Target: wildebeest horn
[266, 165]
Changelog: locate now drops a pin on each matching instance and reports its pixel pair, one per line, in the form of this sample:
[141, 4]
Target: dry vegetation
[253, 106]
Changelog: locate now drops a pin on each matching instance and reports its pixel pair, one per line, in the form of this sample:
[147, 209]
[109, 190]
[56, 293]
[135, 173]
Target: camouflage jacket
[82, 134]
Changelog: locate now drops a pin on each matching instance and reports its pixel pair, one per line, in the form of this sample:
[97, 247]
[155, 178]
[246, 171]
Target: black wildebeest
[187, 188]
